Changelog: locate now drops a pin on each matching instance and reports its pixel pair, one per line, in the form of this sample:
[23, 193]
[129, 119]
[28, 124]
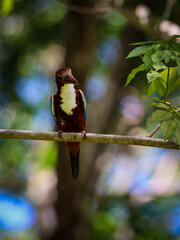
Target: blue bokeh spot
[32, 90]
[16, 213]
[95, 88]
[108, 51]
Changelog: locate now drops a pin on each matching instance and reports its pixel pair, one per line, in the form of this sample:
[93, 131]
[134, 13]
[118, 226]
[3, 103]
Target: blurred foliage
[6, 7]
[137, 192]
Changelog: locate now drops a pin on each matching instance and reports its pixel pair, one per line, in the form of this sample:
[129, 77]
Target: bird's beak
[70, 79]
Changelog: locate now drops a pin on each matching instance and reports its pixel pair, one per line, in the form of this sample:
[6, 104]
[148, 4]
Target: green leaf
[178, 65]
[147, 61]
[151, 76]
[174, 79]
[162, 105]
[168, 128]
[166, 54]
[177, 132]
[157, 86]
[160, 115]
[162, 55]
[176, 58]
[160, 86]
[157, 56]
[159, 66]
[151, 89]
[175, 46]
[172, 38]
[134, 72]
[146, 43]
[167, 59]
[138, 51]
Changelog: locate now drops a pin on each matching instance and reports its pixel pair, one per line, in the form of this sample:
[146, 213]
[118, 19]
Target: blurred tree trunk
[74, 196]
[80, 39]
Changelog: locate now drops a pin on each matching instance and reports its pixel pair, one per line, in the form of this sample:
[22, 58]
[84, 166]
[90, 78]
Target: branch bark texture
[90, 137]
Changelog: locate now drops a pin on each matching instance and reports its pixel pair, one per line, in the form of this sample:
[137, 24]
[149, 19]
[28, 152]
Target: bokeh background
[123, 192]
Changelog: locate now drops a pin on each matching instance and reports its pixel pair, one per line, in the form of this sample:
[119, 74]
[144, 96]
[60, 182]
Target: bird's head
[64, 76]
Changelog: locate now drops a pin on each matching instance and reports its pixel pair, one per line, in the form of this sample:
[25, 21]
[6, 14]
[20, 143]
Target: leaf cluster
[157, 56]
[161, 61]
[169, 118]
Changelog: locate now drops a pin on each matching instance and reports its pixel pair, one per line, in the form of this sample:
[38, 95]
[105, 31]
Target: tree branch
[168, 9]
[86, 10]
[128, 13]
[90, 137]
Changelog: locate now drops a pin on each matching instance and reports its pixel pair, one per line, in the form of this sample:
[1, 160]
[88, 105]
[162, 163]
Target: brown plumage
[69, 110]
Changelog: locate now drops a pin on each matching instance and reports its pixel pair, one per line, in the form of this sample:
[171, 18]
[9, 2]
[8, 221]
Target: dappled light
[132, 110]
[146, 178]
[13, 25]
[142, 12]
[108, 51]
[170, 28]
[34, 95]
[16, 214]
[95, 87]
[123, 192]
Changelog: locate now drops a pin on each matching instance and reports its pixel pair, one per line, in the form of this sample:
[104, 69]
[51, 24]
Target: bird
[69, 109]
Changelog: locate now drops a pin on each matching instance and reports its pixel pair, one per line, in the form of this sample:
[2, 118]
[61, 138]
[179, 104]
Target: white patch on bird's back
[68, 96]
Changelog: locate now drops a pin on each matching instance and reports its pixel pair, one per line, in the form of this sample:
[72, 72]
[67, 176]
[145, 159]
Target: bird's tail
[75, 164]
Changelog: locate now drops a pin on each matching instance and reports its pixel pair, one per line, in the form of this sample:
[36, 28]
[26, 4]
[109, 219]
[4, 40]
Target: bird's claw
[83, 134]
[60, 133]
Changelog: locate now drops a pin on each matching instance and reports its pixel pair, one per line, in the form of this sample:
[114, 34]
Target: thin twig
[167, 12]
[86, 10]
[168, 9]
[158, 127]
[154, 131]
[90, 137]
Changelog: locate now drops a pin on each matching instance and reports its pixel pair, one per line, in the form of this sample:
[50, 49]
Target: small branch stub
[90, 137]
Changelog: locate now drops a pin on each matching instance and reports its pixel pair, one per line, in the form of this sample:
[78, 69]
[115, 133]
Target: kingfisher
[69, 109]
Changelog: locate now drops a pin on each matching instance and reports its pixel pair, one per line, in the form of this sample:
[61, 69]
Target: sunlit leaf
[134, 72]
[160, 86]
[145, 43]
[157, 86]
[159, 66]
[138, 51]
[151, 76]
[174, 79]
[6, 7]
[161, 105]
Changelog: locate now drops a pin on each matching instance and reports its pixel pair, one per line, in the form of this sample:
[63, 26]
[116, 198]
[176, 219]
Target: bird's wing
[52, 106]
[84, 103]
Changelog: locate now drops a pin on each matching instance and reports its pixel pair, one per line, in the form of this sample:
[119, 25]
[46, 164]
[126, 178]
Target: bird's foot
[83, 134]
[60, 133]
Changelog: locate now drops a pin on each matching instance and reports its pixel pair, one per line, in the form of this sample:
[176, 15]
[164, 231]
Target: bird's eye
[59, 77]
